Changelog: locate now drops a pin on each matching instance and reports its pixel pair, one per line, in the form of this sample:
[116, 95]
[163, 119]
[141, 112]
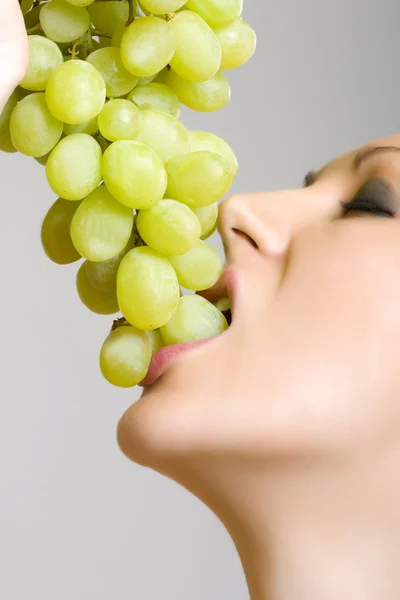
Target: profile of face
[309, 370]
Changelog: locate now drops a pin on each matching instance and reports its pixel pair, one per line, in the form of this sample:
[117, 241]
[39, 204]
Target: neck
[315, 533]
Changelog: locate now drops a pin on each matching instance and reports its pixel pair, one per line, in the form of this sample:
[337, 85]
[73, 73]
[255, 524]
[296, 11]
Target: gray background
[77, 520]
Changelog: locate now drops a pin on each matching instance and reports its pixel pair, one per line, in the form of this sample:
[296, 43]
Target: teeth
[223, 304]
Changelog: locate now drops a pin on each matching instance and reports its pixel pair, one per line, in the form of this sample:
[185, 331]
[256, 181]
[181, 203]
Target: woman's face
[311, 362]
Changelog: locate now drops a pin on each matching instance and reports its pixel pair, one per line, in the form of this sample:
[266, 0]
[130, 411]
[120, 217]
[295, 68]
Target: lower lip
[163, 357]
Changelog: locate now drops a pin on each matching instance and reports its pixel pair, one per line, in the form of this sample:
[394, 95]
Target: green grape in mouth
[195, 319]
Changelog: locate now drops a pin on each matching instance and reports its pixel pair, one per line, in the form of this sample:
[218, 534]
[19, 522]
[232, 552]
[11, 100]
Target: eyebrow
[360, 158]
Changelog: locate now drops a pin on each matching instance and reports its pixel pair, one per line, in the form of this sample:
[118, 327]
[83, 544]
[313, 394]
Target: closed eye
[376, 197]
[367, 205]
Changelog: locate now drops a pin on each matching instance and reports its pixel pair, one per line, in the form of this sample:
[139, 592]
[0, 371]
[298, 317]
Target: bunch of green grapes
[137, 192]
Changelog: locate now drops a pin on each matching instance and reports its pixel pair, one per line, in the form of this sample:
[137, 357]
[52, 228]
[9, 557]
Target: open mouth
[223, 296]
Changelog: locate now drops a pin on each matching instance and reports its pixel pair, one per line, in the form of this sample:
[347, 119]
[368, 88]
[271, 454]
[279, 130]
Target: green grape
[26, 6]
[107, 16]
[207, 216]
[147, 46]
[205, 96]
[101, 227]
[164, 133]
[55, 234]
[75, 92]
[134, 174]
[198, 269]
[156, 341]
[198, 51]
[147, 288]
[119, 120]
[103, 275]
[73, 168]
[170, 227]
[44, 57]
[224, 304]
[118, 34]
[156, 96]
[33, 129]
[6, 144]
[202, 140]
[162, 7]
[118, 80]
[198, 179]
[62, 22]
[100, 302]
[145, 80]
[42, 160]
[195, 319]
[90, 127]
[80, 2]
[5, 116]
[125, 356]
[238, 42]
[217, 13]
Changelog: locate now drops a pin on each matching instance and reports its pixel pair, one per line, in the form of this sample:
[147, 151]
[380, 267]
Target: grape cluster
[137, 192]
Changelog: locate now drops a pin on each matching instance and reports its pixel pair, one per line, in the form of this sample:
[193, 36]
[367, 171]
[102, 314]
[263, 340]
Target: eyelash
[365, 204]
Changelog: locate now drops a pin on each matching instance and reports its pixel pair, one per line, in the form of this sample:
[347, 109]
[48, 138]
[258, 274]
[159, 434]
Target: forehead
[345, 160]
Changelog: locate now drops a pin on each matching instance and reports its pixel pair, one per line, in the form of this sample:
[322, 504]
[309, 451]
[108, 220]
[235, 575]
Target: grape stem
[131, 16]
[122, 322]
[97, 33]
[74, 52]
[170, 16]
[35, 29]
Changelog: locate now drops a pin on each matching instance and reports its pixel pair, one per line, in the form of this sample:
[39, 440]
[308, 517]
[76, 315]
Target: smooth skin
[287, 426]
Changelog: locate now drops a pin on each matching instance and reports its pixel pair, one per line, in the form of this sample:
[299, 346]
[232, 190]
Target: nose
[263, 221]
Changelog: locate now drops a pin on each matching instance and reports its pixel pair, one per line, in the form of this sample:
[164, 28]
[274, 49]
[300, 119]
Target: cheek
[316, 369]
